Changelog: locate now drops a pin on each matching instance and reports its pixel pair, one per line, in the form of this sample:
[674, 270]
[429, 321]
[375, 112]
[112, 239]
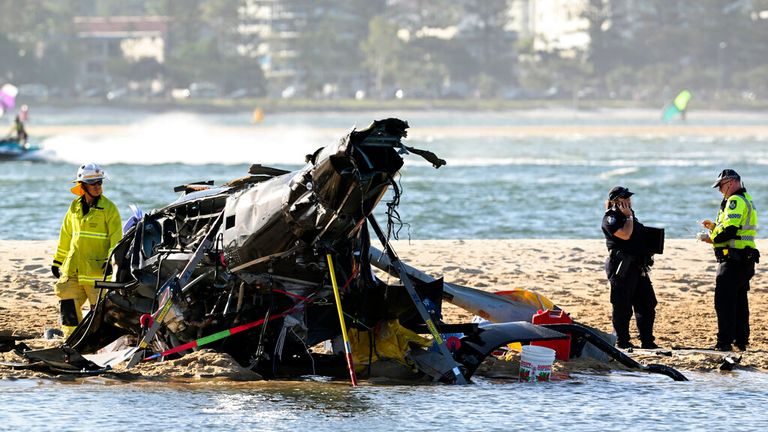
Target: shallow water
[583, 402]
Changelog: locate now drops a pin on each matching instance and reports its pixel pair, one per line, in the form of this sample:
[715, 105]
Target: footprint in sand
[472, 271]
[450, 268]
[31, 267]
[39, 259]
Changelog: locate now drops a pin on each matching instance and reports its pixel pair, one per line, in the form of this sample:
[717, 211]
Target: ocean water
[581, 402]
[493, 187]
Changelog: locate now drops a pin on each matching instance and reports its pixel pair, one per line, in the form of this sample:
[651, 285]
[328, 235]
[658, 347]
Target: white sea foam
[619, 172]
[626, 164]
[187, 139]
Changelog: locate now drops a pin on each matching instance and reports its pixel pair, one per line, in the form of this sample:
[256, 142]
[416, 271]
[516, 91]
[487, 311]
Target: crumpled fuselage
[268, 259]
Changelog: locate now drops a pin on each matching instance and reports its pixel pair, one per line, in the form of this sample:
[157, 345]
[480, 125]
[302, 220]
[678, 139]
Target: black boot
[720, 346]
[625, 344]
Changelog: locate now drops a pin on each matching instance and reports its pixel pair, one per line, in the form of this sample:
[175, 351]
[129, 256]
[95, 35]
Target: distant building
[559, 25]
[269, 30]
[554, 25]
[104, 39]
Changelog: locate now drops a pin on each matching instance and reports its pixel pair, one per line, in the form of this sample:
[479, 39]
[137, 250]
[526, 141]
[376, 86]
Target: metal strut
[417, 302]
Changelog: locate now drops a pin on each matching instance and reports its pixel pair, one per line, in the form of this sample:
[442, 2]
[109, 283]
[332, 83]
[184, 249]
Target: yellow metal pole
[347, 346]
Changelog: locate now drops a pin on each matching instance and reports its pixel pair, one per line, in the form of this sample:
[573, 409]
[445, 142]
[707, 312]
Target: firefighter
[733, 237]
[90, 231]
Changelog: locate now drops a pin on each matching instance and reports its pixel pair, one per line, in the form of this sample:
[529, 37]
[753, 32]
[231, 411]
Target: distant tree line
[647, 51]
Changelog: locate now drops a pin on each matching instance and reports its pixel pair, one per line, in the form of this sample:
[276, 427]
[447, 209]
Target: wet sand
[569, 272]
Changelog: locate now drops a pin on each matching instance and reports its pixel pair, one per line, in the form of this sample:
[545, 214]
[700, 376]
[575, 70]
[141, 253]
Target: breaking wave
[619, 172]
[187, 139]
[628, 165]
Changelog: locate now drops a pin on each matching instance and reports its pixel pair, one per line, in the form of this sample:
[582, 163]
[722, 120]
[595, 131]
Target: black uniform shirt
[613, 220]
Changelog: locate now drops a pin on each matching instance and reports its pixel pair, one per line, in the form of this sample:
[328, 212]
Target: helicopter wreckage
[269, 265]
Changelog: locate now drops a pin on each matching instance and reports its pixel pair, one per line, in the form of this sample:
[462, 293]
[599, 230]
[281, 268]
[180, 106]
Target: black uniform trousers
[631, 290]
[731, 304]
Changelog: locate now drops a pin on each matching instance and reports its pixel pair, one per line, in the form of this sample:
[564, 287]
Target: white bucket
[536, 363]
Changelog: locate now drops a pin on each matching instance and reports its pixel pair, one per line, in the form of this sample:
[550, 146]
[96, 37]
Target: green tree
[419, 14]
[447, 61]
[144, 69]
[487, 39]
[754, 80]
[30, 28]
[606, 39]
[58, 66]
[429, 61]
[238, 72]
[552, 72]
[328, 45]
[194, 61]
[383, 51]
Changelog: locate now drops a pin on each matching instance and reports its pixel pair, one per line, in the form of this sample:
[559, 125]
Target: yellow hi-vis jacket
[741, 213]
[85, 241]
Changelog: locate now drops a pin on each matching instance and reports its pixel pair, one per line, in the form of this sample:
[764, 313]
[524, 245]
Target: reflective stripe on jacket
[739, 211]
[85, 241]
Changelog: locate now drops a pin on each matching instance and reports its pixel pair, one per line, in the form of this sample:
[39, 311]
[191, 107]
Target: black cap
[726, 174]
[619, 192]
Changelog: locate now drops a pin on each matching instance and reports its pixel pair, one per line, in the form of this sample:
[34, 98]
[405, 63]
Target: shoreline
[222, 105]
[569, 272]
[659, 130]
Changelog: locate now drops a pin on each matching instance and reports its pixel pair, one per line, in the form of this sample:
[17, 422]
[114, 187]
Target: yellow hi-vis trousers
[68, 288]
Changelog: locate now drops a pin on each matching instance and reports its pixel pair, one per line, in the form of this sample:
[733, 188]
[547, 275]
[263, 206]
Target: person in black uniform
[627, 268]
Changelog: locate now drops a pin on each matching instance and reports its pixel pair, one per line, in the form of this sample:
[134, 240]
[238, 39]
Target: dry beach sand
[569, 272]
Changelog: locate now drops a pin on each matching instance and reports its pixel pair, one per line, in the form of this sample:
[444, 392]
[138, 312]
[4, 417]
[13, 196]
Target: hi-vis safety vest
[739, 211]
[85, 241]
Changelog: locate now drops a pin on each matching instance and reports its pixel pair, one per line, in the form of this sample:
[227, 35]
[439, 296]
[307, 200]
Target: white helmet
[90, 172]
[87, 173]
